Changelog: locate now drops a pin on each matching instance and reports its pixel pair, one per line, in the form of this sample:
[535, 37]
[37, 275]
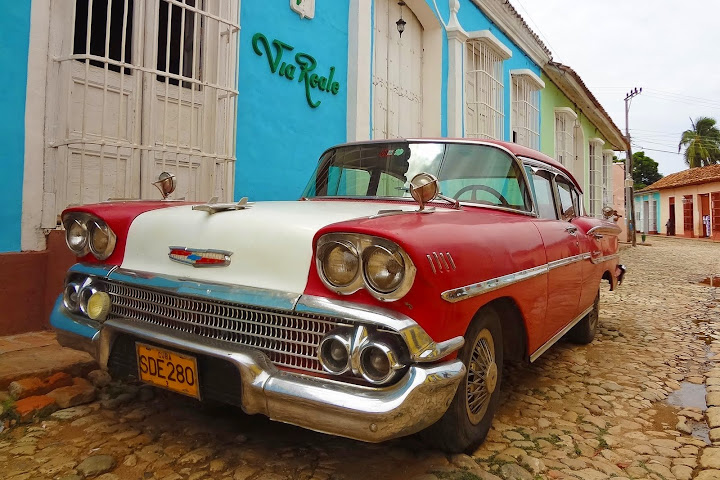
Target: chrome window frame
[518, 161]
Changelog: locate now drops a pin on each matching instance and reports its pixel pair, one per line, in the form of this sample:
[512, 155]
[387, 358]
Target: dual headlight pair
[348, 262]
[85, 233]
[376, 357]
[84, 295]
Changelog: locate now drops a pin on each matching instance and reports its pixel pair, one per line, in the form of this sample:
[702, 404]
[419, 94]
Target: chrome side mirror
[424, 188]
[166, 183]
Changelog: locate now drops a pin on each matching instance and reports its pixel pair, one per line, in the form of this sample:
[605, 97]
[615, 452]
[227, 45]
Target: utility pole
[630, 190]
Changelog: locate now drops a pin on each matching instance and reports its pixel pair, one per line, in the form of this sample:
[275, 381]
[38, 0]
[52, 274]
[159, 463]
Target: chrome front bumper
[415, 402]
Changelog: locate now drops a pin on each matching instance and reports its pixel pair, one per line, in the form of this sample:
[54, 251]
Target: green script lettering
[305, 62]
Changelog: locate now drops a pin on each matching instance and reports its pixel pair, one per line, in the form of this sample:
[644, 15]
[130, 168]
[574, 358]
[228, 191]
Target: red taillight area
[119, 216]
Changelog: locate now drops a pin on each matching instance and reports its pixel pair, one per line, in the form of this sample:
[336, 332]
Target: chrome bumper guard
[368, 414]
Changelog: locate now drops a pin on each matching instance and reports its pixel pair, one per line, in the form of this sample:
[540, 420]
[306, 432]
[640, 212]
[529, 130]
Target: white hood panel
[271, 242]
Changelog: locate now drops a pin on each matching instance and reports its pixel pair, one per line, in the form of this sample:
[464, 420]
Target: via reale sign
[303, 68]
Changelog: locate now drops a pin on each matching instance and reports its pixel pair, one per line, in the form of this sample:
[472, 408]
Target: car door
[562, 248]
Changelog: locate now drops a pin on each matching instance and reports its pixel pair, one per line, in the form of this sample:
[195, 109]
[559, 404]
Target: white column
[360, 31]
[456, 78]
[32, 237]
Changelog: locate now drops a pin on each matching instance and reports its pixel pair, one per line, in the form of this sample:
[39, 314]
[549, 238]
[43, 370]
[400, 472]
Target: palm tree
[702, 143]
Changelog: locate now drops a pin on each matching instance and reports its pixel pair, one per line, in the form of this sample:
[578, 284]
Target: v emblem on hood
[200, 258]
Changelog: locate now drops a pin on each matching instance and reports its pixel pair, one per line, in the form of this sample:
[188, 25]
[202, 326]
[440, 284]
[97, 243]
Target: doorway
[705, 218]
[397, 73]
[688, 222]
[671, 217]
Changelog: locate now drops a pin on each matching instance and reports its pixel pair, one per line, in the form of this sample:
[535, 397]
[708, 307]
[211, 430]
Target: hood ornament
[200, 258]
[213, 207]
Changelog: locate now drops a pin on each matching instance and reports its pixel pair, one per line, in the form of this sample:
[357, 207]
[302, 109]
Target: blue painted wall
[14, 43]
[472, 19]
[279, 136]
[640, 199]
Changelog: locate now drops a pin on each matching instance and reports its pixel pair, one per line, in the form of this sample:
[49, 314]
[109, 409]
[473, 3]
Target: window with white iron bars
[595, 186]
[525, 112]
[564, 138]
[607, 177]
[484, 105]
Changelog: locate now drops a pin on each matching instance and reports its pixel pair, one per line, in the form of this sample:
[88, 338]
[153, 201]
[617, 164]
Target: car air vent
[441, 262]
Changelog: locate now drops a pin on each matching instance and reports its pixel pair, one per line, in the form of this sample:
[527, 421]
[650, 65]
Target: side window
[567, 195]
[543, 191]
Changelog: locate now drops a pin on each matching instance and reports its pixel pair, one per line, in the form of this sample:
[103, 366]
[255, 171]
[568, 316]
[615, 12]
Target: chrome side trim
[606, 229]
[475, 289]
[558, 336]
[421, 346]
[597, 260]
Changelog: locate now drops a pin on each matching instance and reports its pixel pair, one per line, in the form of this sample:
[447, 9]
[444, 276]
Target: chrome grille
[289, 340]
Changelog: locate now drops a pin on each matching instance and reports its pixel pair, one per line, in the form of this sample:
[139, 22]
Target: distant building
[688, 203]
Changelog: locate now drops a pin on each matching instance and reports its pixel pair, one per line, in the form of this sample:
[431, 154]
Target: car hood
[271, 242]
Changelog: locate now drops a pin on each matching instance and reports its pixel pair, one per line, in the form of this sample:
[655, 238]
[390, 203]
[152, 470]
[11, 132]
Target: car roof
[514, 148]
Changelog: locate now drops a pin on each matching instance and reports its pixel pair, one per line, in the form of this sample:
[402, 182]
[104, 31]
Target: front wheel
[584, 332]
[469, 417]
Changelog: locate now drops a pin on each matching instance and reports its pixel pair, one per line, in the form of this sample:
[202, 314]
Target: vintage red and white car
[382, 303]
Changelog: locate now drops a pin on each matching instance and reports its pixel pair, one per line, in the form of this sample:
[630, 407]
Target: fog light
[98, 306]
[71, 296]
[334, 353]
[378, 363]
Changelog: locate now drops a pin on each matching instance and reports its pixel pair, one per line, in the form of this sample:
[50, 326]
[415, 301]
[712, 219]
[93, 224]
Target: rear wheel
[584, 332]
[469, 417]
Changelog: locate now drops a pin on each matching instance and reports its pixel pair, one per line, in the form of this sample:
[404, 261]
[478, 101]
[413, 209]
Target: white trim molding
[597, 140]
[490, 39]
[500, 12]
[531, 76]
[360, 33]
[456, 80]
[566, 111]
[32, 237]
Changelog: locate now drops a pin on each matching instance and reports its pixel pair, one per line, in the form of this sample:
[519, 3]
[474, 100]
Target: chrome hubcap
[482, 376]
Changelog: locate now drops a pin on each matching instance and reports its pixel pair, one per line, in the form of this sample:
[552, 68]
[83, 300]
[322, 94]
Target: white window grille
[484, 101]
[595, 186]
[525, 116]
[565, 136]
[608, 199]
[140, 87]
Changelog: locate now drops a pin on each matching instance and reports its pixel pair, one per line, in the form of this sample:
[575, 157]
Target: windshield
[470, 173]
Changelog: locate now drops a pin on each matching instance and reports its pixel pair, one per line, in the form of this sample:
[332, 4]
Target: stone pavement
[38, 354]
[629, 405]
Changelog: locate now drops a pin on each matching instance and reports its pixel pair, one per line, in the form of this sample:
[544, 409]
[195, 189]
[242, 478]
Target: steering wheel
[484, 188]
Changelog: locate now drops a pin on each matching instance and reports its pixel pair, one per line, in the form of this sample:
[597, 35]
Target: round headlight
[101, 239]
[334, 353]
[378, 363]
[384, 270]
[71, 296]
[77, 237]
[340, 263]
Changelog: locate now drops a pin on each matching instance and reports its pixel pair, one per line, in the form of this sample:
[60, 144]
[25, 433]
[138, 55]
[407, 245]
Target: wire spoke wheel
[482, 376]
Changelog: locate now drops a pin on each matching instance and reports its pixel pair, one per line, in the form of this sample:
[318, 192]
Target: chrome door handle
[572, 230]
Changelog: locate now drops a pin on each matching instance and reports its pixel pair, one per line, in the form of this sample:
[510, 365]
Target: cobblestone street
[629, 405]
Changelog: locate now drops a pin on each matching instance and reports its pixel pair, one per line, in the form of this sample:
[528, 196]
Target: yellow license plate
[166, 369]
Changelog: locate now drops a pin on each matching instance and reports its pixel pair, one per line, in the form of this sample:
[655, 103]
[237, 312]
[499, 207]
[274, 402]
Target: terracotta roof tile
[692, 176]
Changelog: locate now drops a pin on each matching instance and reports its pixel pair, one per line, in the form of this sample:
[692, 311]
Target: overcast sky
[670, 48]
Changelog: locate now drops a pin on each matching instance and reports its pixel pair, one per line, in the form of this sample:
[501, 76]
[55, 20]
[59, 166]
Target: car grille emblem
[200, 258]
